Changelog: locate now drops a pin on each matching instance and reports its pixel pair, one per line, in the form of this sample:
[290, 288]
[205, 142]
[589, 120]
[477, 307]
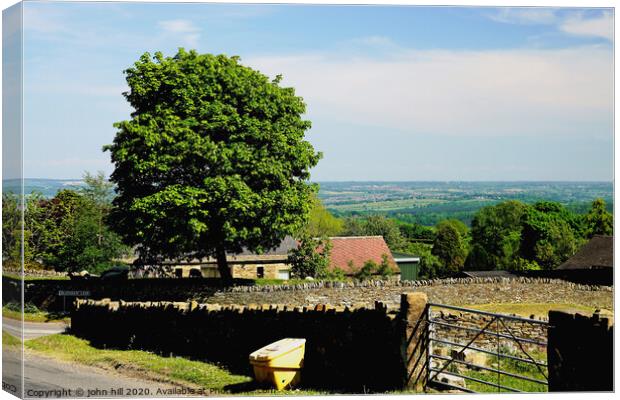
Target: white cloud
[573, 22]
[512, 92]
[178, 26]
[601, 26]
[525, 15]
[188, 32]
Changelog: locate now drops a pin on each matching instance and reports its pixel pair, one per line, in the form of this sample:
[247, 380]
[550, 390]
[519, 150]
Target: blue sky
[394, 93]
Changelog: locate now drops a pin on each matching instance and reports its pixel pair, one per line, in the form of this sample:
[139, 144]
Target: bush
[370, 268]
[310, 258]
[367, 270]
[29, 308]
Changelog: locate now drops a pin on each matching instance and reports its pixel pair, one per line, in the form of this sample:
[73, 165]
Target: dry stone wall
[352, 349]
[489, 340]
[466, 291]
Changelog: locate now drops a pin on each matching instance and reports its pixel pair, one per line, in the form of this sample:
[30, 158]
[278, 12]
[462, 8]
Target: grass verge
[37, 278]
[35, 316]
[9, 340]
[173, 369]
[147, 365]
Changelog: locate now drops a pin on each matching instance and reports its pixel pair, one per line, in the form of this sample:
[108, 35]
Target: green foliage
[66, 232]
[598, 221]
[416, 232]
[547, 237]
[11, 230]
[371, 268]
[430, 265]
[367, 270]
[213, 160]
[496, 236]
[516, 236]
[321, 222]
[385, 269]
[375, 225]
[98, 189]
[449, 246]
[334, 274]
[310, 258]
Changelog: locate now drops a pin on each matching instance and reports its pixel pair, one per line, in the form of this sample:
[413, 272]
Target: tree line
[68, 232]
[511, 235]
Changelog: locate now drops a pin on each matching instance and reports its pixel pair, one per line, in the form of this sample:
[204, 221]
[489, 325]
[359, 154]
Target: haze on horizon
[394, 93]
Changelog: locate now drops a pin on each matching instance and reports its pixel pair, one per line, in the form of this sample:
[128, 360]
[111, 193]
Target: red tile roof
[359, 249]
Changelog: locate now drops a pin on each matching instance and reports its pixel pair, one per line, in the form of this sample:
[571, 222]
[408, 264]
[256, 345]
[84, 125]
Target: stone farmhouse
[272, 264]
[348, 254]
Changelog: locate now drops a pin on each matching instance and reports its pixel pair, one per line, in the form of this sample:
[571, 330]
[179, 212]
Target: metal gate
[477, 351]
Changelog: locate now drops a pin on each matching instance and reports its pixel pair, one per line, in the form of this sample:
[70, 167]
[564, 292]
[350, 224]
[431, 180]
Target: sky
[394, 93]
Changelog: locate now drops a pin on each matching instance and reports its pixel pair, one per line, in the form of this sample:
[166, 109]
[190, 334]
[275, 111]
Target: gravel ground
[454, 294]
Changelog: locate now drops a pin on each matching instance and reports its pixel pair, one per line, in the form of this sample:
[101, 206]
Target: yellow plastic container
[279, 363]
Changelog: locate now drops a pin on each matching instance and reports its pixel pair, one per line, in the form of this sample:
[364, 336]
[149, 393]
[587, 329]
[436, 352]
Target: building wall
[241, 271]
[251, 271]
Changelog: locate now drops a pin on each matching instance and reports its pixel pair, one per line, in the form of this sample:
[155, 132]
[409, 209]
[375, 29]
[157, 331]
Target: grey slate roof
[287, 244]
[489, 274]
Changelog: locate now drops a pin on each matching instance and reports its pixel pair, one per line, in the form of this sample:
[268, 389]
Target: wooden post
[415, 346]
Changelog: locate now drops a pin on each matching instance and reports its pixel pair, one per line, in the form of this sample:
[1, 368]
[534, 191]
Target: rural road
[32, 329]
[49, 378]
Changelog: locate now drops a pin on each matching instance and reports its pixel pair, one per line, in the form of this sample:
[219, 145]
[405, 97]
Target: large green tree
[321, 222]
[212, 160]
[375, 225]
[548, 236]
[496, 236]
[100, 192]
[66, 232]
[449, 246]
[599, 221]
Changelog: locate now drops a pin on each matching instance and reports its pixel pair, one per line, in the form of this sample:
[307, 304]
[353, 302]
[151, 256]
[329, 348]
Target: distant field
[422, 202]
[429, 202]
[389, 205]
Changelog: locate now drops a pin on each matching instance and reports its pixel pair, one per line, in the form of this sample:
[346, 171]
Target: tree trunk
[222, 266]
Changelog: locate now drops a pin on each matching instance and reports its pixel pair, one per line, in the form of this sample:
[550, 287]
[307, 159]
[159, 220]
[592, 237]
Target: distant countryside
[427, 203]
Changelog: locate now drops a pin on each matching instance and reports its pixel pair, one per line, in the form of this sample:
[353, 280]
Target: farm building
[592, 264]
[350, 253]
[487, 274]
[408, 264]
[598, 253]
[272, 264]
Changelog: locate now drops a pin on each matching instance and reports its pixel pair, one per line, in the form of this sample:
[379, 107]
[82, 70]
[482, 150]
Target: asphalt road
[32, 329]
[50, 378]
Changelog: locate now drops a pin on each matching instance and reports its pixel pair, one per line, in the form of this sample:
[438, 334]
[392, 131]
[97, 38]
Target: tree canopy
[375, 225]
[212, 160]
[321, 222]
[599, 221]
[449, 245]
[66, 232]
